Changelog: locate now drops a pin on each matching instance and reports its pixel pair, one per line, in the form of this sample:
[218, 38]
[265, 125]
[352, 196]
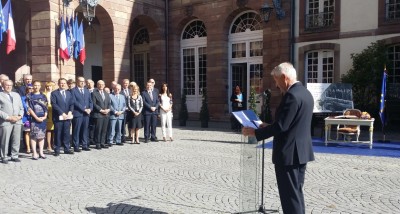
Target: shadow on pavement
[122, 208]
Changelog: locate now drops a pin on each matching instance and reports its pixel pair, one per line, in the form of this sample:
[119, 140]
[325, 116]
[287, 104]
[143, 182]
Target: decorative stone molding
[189, 10]
[241, 3]
[146, 9]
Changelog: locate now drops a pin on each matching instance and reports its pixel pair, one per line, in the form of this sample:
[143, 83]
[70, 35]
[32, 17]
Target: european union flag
[2, 23]
[383, 95]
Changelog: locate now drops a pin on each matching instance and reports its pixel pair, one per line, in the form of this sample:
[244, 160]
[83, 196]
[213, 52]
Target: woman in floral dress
[37, 106]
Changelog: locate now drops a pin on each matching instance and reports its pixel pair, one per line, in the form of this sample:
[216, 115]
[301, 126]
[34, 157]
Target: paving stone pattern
[199, 172]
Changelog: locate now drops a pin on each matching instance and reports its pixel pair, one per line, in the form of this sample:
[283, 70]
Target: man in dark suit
[101, 113]
[150, 112]
[27, 78]
[62, 103]
[90, 87]
[80, 123]
[292, 144]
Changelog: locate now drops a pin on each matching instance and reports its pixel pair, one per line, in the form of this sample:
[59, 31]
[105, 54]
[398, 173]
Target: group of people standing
[98, 116]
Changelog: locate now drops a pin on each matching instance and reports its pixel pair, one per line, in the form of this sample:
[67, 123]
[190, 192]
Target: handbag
[237, 105]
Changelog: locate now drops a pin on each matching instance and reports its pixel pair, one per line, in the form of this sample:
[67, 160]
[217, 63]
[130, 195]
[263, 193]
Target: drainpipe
[292, 27]
[166, 40]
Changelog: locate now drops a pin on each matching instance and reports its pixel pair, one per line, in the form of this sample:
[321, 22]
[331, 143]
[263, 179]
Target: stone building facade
[196, 44]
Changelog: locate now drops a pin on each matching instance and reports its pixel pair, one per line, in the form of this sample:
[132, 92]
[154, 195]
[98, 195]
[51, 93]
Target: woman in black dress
[238, 104]
[37, 107]
[135, 105]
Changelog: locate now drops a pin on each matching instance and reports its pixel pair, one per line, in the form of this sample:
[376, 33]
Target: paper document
[247, 118]
[68, 117]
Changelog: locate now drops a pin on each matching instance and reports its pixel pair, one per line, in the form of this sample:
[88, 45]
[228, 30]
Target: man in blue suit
[117, 113]
[150, 112]
[292, 144]
[80, 123]
[62, 102]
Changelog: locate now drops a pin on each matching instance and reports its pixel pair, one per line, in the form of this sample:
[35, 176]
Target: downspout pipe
[292, 33]
[166, 41]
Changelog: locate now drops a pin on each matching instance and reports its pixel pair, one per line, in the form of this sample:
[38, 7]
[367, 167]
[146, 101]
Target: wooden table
[329, 121]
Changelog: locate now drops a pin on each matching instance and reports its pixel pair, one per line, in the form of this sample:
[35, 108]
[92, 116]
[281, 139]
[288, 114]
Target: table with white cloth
[329, 121]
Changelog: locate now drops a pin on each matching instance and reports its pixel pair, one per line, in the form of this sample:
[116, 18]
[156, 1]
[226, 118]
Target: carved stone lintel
[241, 3]
[189, 10]
[136, 22]
[146, 9]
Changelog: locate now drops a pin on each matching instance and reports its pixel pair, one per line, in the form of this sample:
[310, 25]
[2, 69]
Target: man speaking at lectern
[292, 144]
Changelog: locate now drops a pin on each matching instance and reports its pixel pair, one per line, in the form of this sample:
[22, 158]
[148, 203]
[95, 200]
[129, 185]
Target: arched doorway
[246, 54]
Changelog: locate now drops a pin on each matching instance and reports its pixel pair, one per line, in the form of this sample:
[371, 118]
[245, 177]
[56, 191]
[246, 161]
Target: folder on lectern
[247, 118]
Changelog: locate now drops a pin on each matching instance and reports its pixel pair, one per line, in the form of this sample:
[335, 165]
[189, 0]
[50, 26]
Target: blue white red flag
[9, 26]
[82, 51]
[64, 52]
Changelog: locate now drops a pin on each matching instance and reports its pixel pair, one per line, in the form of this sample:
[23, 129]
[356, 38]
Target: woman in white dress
[166, 112]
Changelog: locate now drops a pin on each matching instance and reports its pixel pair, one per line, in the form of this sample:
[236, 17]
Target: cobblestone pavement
[199, 172]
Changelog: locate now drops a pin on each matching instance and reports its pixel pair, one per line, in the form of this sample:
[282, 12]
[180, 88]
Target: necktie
[102, 95]
[11, 99]
[151, 95]
[81, 91]
[126, 92]
[63, 94]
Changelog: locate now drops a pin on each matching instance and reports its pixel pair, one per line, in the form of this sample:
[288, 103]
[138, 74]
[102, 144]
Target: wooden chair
[349, 130]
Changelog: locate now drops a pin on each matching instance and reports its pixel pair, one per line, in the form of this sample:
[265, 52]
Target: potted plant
[204, 113]
[252, 100]
[183, 112]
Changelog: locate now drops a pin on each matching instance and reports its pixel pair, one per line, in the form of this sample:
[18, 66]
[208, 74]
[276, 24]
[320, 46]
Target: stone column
[45, 20]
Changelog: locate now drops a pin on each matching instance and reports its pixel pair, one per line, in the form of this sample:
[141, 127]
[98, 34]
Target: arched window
[141, 57]
[247, 22]
[194, 63]
[141, 37]
[195, 28]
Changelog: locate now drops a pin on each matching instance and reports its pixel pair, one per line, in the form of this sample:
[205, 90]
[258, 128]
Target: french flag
[82, 51]
[64, 52]
[9, 22]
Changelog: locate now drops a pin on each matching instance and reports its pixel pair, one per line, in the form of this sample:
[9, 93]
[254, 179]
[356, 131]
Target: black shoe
[110, 145]
[77, 150]
[146, 141]
[154, 140]
[15, 160]
[98, 147]
[86, 149]
[69, 152]
[120, 144]
[104, 146]
[56, 154]
[5, 161]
